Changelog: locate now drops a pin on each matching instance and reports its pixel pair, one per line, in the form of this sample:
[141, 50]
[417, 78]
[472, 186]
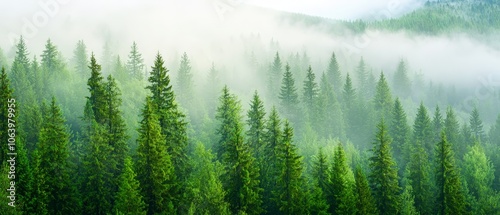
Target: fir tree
[384, 177]
[330, 113]
[437, 124]
[401, 81]
[241, 173]
[361, 78]
[97, 91]
[310, 96]
[479, 174]
[155, 171]
[50, 63]
[452, 131]
[420, 179]
[80, 57]
[129, 200]
[450, 198]
[289, 192]
[365, 203]
[274, 75]
[256, 124]
[273, 137]
[383, 99]
[400, 131]
[333, 74]
[288, 94]
[135, 63]
[342, 191]
[5, 97]
[320, 172]
[422, 130]
[476, 125]
[53, 149]
[185, 81]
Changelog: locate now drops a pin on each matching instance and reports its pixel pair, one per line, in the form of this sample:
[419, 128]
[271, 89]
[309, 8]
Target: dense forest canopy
[317, 116]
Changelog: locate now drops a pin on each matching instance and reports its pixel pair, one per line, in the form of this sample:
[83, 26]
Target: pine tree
[240, 171]
[274, 76]
[155, 171]
[422, 130]
[97, 91]
[450, 198]
[479, 174]
[135, 63]
[401, 81]
[343, 200]
[53, 149]
[273, 137]
[310, 96]
[365, 202]
[288, 94]
[384, 177]
[452, 131]
[129, 200]
[348, 94]
[50, 63]
[383, 99]
[185, 81]
[256, 124]
[330, 113]
[476, 125]
[437, 124]
[333, 74]
[207, 193]
[407, 201]
[400, 131]
[173, 127]
[80, 59]
[320, 172]
[289, 192]
[361, 78]
[420, 178]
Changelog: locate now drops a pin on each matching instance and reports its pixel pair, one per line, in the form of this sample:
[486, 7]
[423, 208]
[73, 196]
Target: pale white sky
[341, 9]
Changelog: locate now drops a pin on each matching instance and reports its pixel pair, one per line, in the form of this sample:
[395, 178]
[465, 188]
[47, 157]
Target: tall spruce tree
[331, 118]
[401, 81]
[422, 129]
[135, 63]
[320, 172]
[129, 200]
[343, 200]
[97, 92]
[290, 190]
[5, 97]
[80, 57]
[53, 149]
[310, 96]
[334, 75]
[155, 171]
[452, 131]
[288, 94]
[383, 99]
[185, 82]
[384, 176]
[274, 76]
[420, 178]
[273, 137]
[476, 125]
[400, 131]
[437, 124]
[241, 173]
[365, 203]
[256, 125]
[450, 197]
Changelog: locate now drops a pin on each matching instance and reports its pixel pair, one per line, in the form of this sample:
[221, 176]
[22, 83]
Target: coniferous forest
[102, 132]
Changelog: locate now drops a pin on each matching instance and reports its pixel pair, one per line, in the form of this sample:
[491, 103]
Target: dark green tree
[290, 190]
[476, 125]
[129, 200]
[97, 90]
[437, 124]
[273, 137]
[383, 100]
[450, 197]
[365, 203]
[240, 178]
[5, 97]
[320, 172]
[256, 125]
[362, 78]
[384, 176]
[274, 75]
[135, 63]
[400, 132]
[288, 94]
[53, 149]
[310, 96]
[343, 200]
[422, 129]
[154, 168]
[419, 179]
[452, 131]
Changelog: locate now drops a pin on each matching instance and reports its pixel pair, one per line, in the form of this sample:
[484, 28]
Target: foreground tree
[384, 176]
[365, 203]
[129, 200]
[343, 200]
[450, 197]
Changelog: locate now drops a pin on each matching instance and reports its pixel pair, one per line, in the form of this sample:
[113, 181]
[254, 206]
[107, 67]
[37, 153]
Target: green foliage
[365, 203]
[384, 176]
[154, 168]
[274, 76]
[450, 197]
[256, 123]
[185, 82]
[129, 200]
[97, 91]
[343, 200]
[400, 131]
[135, 63]
[240, 178]
[401, 81]
[333, 73]
[422, 130]
[80, 57]
[476, 125]
[288, 94]
[383, 99]
[330, 117]
[5, 95]
[419, 178]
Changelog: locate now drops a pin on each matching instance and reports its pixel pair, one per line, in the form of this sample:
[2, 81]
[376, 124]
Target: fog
[225, 33]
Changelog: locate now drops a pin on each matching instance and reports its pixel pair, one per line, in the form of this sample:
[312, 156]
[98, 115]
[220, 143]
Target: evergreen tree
[384, 176]
[289, 192]
[450, 197]
[333, 74]
[310, 96]
[320, 172]
[343, 200]
[479, 174]
[407, 201]
[173, 127]
[97, 92]
[240, 171]
[135, 63]
[256, 124]
[400, 131]
[155, 171]
[273, 137]
[361, 78]
[80, 58]
[5, 97]
[348, 94]
[53, 149]
[422, 130]
[288, 94]
[383, 99]
[452, 131]
[476, 125]
[206, 188]
[401, 81]
[274, 75]
[185, 81]
[50, 62]
[330, 113]
[129, 200]
[365, 202]
[420, 179]
[437, 124]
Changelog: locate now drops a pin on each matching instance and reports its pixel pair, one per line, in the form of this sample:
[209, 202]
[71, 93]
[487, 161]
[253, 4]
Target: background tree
[401, 81]
[135, 63]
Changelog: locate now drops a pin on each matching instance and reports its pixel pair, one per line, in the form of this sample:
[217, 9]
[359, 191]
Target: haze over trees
[104, 134]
